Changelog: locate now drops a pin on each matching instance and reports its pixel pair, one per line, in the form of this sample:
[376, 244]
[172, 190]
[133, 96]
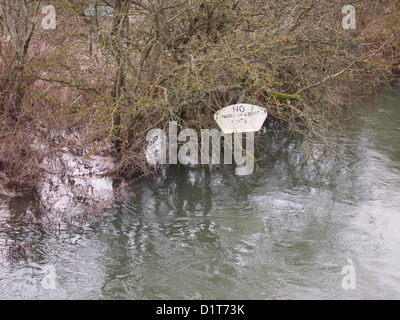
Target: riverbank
[79, 79]
[286, 232]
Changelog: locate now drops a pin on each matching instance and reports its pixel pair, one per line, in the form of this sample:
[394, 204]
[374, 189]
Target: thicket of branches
[115, 76]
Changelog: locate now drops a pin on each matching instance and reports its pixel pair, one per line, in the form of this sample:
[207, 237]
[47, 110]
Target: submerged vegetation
[99, 81]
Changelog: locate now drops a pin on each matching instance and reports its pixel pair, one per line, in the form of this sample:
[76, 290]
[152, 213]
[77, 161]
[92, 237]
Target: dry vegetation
[113, 78]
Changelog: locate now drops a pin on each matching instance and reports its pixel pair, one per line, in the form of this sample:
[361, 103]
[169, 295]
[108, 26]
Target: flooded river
[284, 232]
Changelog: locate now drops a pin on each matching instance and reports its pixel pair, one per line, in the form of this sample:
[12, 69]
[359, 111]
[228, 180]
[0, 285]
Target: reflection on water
[204, 233]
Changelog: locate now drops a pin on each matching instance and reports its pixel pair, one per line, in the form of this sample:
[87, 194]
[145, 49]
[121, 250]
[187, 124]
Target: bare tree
[18, 23]
[115, 69]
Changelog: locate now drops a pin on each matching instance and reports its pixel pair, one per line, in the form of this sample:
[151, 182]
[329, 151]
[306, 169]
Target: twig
[348, 67]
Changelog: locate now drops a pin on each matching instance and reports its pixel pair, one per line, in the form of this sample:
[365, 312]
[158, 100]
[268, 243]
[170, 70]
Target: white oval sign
[241, 118]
